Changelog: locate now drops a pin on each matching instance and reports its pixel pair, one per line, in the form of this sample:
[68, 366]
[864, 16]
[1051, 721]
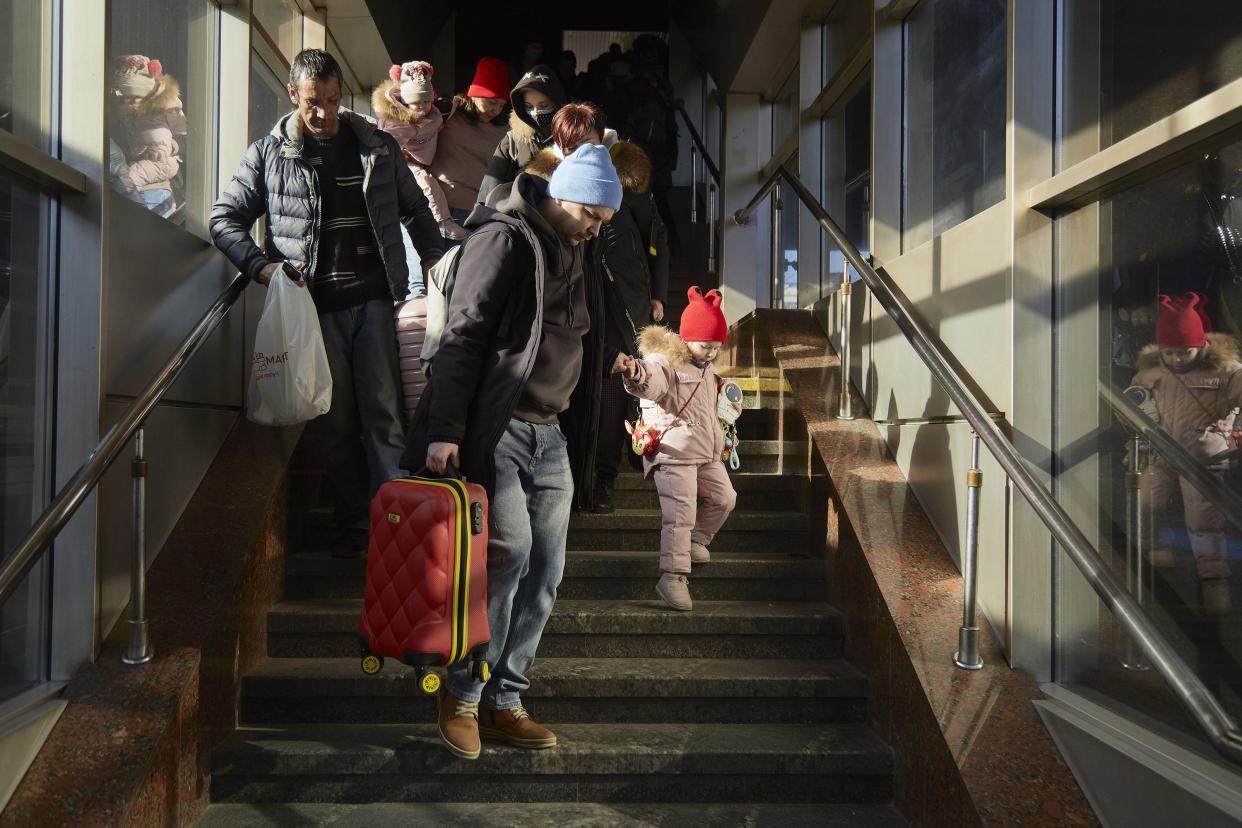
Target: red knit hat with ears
[702, 320]
[1180, 322]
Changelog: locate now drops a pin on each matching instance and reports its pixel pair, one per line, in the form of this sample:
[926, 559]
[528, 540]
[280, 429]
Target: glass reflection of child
[696, 496]
[1195, 380]
[148, 126]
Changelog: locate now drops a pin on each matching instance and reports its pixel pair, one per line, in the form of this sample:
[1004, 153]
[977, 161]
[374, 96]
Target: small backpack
[440, 281]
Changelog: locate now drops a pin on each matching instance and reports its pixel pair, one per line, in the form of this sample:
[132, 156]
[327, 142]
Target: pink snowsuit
[417, 139]
[1187, 404]
[688, 465]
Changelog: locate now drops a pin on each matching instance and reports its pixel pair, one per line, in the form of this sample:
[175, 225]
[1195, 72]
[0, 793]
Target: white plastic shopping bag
[289, 378]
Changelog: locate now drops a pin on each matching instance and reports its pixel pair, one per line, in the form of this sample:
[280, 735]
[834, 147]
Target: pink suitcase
[411, 319]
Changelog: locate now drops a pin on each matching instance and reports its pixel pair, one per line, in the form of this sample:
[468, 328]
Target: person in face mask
[536, 99]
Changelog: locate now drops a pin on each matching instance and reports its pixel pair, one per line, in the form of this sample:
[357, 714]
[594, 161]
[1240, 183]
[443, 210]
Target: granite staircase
[740, 712]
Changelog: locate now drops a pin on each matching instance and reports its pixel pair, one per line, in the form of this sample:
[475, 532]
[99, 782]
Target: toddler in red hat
[680, 437]
[1193, 380]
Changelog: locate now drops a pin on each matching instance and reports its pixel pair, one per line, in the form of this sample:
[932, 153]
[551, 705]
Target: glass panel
[1164, 510]
[282, 22]
[787, 296]
[844, 31]
[785, 110]
[954, 114]
[24, 280]
[847, 166]
[23, 79]
[1132, 62]
[160, 106]
[269, 97]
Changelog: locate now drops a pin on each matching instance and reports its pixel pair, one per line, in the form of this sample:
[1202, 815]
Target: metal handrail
[87, 477]
[698, 141]
[1219, 727]
[1188, 468]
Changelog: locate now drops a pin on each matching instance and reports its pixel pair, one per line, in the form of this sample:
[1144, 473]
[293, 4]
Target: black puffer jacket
[274, 179]
[491, 336]
[524, 139]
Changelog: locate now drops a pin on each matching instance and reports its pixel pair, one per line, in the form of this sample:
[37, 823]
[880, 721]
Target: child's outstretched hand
[626, 365]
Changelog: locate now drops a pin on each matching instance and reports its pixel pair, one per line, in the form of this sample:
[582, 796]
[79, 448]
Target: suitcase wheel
[430, 683]
[481, 672]
[372, 664]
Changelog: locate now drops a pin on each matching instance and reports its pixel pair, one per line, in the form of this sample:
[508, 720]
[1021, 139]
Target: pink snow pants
[684, 520]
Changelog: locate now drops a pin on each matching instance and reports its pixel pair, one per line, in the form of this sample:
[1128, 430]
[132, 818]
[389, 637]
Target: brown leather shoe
[459, 725]
[516, 727]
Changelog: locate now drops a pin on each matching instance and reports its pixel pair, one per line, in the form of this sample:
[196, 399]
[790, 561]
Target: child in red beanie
[1195, 380]
[680, 391]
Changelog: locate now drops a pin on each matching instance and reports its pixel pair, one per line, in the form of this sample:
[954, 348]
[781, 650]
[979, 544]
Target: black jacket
[635, 253]
[491, 336]
[524, 139]
[274, 179]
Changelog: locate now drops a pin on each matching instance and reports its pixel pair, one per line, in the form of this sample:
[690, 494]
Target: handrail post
[967, 656]
[139, 650]
[1132, 657]
[694, 184]
[778, 296]
[711, 227]
[845, 408]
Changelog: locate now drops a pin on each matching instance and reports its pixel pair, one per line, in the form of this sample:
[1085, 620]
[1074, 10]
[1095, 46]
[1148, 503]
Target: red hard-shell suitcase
[426, 590]
[411, 321]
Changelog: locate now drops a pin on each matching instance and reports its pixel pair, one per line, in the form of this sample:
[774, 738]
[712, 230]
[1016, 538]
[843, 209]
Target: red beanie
[491, 79]
[702, 320]
[1180, 323]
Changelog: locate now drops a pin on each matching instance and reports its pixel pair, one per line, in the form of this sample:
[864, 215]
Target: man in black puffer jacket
[335, 190]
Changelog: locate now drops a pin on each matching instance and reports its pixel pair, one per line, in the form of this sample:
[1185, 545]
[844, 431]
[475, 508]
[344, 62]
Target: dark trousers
[362, 433]
[614, 408]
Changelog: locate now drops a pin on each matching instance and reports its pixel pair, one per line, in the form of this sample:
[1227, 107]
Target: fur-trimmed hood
[633, 165]
[1221, 351]
[658, 340]
[519, 127]
[166, 95]
[387, 107]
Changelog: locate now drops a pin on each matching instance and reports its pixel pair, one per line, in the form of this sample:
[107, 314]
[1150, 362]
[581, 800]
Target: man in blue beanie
[509, 358]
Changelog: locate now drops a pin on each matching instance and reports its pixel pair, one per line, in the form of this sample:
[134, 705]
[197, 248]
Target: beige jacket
[1191, 402]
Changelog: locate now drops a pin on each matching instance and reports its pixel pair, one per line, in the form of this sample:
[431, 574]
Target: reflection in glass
[1166, 461]
[785, 110]
[847, 165]
[269, 98]
[282, 22]
[788, 276]
[1132, 62]
[954, 114]
[23, 297]
[23, 88]
[159, 91]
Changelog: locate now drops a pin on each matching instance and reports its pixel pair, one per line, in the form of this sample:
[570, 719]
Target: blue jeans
[362, 433]
[527, 525]
[159, 202]
[414, 263]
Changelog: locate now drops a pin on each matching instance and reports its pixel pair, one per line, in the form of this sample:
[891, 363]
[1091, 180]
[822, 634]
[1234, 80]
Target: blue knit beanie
[587, 176]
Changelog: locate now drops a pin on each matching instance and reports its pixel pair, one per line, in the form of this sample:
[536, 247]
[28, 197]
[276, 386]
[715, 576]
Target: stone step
[604, 575]
[312, 520]
[640, 529]
[600, 690]
[541, 815]
[602, 629]
[592, 762]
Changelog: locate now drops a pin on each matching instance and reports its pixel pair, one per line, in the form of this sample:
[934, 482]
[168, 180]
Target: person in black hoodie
[632, 257]
[509, 358]
[536, 98]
